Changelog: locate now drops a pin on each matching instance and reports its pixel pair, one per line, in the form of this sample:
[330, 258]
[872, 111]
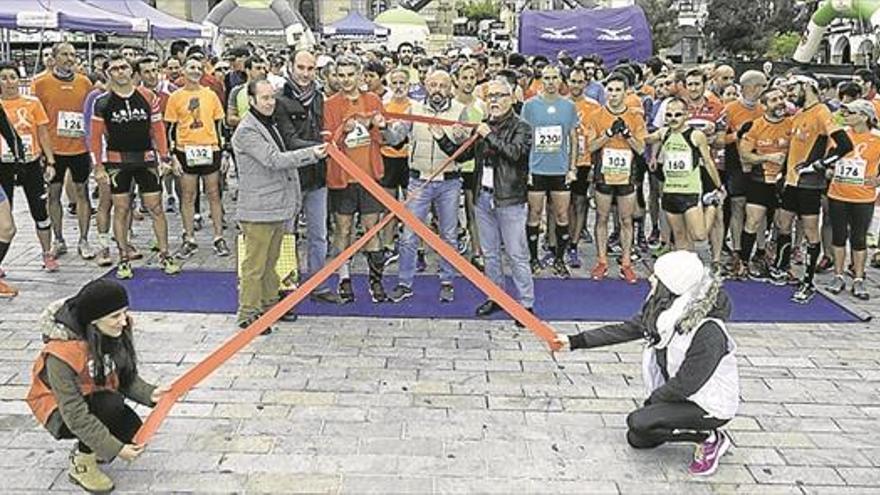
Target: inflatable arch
[293, 27]
[825, 14]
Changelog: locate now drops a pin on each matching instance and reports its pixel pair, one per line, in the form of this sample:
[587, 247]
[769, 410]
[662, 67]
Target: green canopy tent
[403, 25]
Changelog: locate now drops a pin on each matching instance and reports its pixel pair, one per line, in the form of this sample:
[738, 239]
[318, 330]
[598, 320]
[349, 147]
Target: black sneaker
[758, 271]
[487, 308]
[560, 269]
[345, 291]
[187, 250]
[804, 293]
[377, 291]
[400, 293]
[520, 325]
[220, 247]
[244, 324]
[536, 266]
[389, 256]
[325, 296]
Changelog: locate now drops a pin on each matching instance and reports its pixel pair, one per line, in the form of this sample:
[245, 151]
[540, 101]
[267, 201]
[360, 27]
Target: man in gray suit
[269, 194]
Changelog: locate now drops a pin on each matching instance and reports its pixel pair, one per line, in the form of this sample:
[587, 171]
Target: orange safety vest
[75, 353]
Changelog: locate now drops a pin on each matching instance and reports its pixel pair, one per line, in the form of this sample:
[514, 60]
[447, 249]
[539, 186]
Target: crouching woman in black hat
[82, 375]
[688, 365]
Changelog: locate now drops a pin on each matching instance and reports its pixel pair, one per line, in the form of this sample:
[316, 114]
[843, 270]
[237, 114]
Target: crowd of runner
[755, 172]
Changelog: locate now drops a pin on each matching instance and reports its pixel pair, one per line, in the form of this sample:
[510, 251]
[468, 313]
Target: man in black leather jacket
[501, 191]
[299, 112]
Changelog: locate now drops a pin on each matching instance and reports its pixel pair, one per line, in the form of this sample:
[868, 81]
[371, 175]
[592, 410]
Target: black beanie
[99, 298]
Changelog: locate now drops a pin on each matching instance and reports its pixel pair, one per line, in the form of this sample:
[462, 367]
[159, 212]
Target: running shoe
[345, 291]
[804, 293]
[103, 258]
[187, 250]
[447, 292]
[50, 264]
[574, 260]
[220, 247]
[824, 264]
[124, 271]
[536, 266]
[836, 285]
[627, 273]
[654, 239]
[738, 269]
[708, 454]
[377, 291]
[478, 262]
[759, 271]
[60, 248]
[169, 265]
[400, 293]
[858, 289]
[560, 269]
[390, 256]
[7, 291]
[587, 236]
[85, 250]
[781, 278]
[600, 271]
[133, 253]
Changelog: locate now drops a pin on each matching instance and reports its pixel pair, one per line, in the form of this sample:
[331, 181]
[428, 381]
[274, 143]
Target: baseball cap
[863, 107]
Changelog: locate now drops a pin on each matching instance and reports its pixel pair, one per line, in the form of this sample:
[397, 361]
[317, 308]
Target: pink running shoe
[708, 454]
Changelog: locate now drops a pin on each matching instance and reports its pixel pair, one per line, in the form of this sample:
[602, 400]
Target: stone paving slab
[353, 405]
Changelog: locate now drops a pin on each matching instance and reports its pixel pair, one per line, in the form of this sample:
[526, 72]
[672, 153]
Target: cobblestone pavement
[418, 406]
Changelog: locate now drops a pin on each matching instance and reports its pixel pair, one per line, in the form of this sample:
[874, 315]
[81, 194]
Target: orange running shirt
[765, 137]
[25, 113]
[195, 113]
[848, 182]
[362, 144]
[586, 107]
[614, 162]
[63, 102]
[394, 106]
[810, 129]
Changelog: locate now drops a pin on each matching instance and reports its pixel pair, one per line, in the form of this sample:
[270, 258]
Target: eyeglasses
[674, 115]
[496, 96]
[117, 68]
[577, 81]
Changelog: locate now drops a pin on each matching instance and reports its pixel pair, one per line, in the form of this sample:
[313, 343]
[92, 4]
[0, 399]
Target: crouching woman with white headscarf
[689, 366]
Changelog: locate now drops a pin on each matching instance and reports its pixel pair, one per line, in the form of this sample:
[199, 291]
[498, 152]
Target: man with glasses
[63, 94]
[552, 165]
[129, 120]
[809, 156]
[747, 108]
[501, 190]
[580, 205]
[616, 135]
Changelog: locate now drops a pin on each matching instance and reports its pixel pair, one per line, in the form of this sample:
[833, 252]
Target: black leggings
[30, 177]
[110, 409]
[656, 424]
[850, 220]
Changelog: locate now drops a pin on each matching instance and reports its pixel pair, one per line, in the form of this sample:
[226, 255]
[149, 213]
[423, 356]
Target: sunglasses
[674, 115]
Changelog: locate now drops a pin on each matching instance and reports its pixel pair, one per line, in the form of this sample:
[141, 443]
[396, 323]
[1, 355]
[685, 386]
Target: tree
[747, 27]
[663, 20]
[478, 10]
[782, 46]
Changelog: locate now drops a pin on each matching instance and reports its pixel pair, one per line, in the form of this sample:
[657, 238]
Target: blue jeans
[443, 195]
[315, 210]
[505, 224]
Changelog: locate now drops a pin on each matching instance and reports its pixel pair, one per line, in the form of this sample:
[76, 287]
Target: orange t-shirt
[362, 144]
[738, 114]
[194, 112]
[765, 137]
[26, 114]
[634, 103]
[614, 162]
[586, 107]
[850, 172]
[63, 102]
[394, 106]
[810, 128]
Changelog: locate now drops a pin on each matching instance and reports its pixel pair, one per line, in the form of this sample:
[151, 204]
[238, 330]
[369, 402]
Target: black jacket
[301, 127]
[707, 348]
[506, 150]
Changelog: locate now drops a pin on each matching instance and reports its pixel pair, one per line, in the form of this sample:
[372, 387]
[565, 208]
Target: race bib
[359, 136]
[7, 155]
[199, 156]
[548, 139]
[616, 166]
[850, 171]
[71, 125]
[677, 162]
[582, 145]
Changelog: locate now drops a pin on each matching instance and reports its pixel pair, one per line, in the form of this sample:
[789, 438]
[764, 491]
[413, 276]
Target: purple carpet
[558, 300]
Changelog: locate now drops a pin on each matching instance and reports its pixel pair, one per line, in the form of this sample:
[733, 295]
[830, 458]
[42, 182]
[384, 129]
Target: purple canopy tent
[612, 34]
[354, 26]
[69, 15]
[162, 26]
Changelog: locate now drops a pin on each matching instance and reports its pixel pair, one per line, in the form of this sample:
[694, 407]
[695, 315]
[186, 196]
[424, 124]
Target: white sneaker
[85, 250]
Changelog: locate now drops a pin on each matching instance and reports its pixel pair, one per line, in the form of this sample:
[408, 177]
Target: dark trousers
[656, 424]
[110, 409]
